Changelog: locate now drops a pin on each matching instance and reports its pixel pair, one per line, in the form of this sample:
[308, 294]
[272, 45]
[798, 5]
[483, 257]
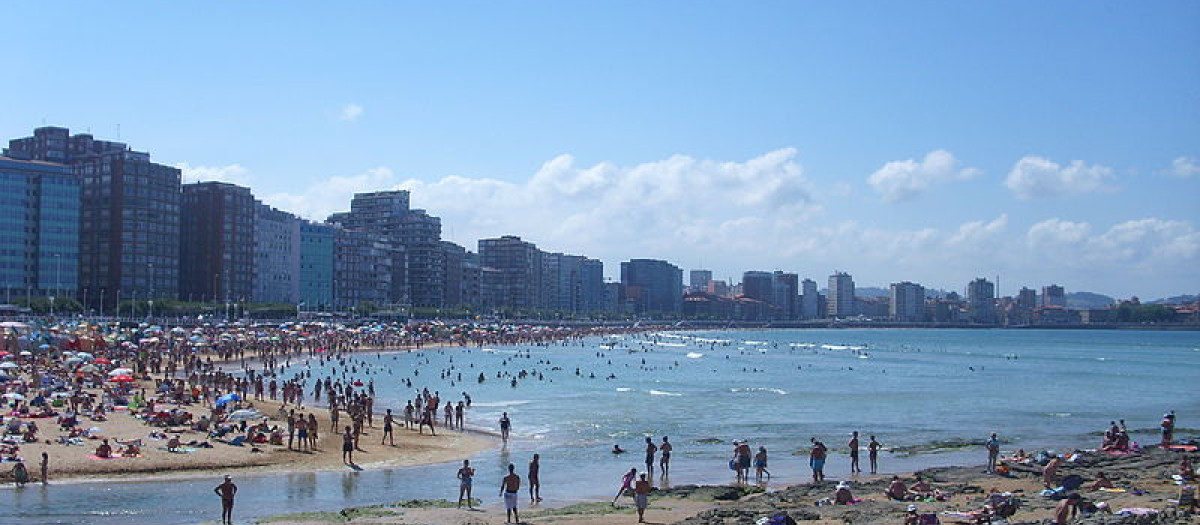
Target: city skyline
[1056, 146]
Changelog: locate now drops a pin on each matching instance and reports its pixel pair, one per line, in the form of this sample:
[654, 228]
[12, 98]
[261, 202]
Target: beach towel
[98, 458]
[1183, 448]
[180, 450]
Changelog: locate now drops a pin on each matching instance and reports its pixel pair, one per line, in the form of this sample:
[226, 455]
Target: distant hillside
[1089, 300]
[871, 292]
[1178, 299]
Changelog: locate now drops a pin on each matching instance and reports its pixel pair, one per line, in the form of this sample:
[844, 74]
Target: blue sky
[730, 135]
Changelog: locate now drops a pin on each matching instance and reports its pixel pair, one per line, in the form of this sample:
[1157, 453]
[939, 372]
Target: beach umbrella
[14, 395]
[88, 368]
[121, 372]
[227, 398]
[43, 346]
[121, 379]
[26, 353]
[102, 361]
[9, 364]
[84, 355]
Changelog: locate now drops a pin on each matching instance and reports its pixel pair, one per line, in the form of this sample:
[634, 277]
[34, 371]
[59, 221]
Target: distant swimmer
[617, 449]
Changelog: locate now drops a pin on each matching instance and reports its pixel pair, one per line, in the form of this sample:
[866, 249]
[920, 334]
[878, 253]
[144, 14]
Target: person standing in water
[535, 486]
[816, 460]
[664, 461]
[465, 476]
[853, 444]
[760, 464]
[45, 468]
[650, 450]
[505, 425]
[226, 490]
[873, 454]
[510, 488]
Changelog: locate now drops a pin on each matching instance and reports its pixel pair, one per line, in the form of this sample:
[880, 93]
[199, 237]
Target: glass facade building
[39, 228]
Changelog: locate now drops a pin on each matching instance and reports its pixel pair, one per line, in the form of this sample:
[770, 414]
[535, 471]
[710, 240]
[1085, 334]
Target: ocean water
[775, 388]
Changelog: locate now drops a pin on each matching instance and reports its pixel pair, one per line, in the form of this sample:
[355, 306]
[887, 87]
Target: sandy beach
[75, 462]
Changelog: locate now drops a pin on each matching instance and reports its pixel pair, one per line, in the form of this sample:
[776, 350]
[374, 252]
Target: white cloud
[1144, 244]
[231, 173]
[904, 179]
[330, 195]
[1035, 176]
[1184, 167]
[350, 112]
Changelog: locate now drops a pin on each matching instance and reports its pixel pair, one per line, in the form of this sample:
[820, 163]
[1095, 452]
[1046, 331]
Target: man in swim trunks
[505, 425]
[387, 428]
[873, 454]
[816, 460]
[465, 475]
[853, 444]
[227, 490]
[510, 487]
[650, 450]
[664, 461]
[348, 447]
[641, 497]
[535, 487]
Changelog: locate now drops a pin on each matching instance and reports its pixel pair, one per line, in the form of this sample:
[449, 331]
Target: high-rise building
[363, 269]
[217, 259]
[39, 228]
[129, 213]
[276, 256]
[591, 273]
[520, 265]
[841, 295]
[907, 302]
[810, 300]
[698, 280]
[316, 266]
[1054, 295]
[420, 278]
[981, 301]
[786, 294]
[758, 285]
[453, 258]
[653, 287]
[1027, 298]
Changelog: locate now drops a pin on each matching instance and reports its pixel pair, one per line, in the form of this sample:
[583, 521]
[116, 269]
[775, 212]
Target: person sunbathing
[1102, 482]
[132, 450]
[173, 444]
[920, 489]
[104, 450]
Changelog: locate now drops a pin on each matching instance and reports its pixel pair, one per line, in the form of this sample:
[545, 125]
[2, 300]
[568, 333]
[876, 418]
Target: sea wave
[694, 355]
[624, 389]
[676, 345]
[512, 403]
[843, 347]
[664, 393]
[779, 391]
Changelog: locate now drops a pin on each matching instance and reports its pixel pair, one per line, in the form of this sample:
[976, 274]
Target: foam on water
[664, 393]
[694, 355]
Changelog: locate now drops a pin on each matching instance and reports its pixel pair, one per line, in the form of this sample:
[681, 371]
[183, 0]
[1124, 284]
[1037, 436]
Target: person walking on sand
[853, 444]
[387, 428]
[348, 447]
[465, 476]
[1168, 428]
[993, 450]
[650, 450]
[816, 460]
[226, 490]
[641, 497]
[873, 454]
[535, 487]
[510, 488]
[664, 461]
[626, 484]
